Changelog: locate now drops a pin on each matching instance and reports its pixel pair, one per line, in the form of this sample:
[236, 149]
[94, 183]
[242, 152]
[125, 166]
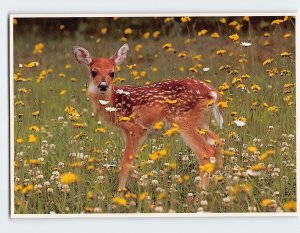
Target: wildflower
[128, 31]
[120, 201]
[209, 167]
[63, 92]
[246, 18]
[290, 206]
[287, 35]
[223, 104]
[110, 109]
[222, 20]
[266, 154]
[185, 19]
[172, 130]
[206, 69]
[168, 19]
[221, 52]
[255, 88]
[79, 135]
[167, 46]
[267, 61]
[215, 35]
[38, 48]
[266, 43]
[162, 195]
[193, 69]
[156, 34]
[19, 140]
[31, 64]
[234, 37]
[124, 118]
[138, 47]
[26, 189]
[104, 30]
[31, 138]
[182, 54]
[277, 22]
[100, 130]
[143, 195]
[146, 35]
[158, 154]
[252, 149]
[103, 102]
[245, 44]
[34, 128]
[285, 54]
[266, 202]
[273, 109]
[202, 32]
[202, 131]
[69, 178]
[158, 125]
[240, 123]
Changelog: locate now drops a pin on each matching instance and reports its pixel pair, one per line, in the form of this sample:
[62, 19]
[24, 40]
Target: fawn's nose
[103, 85]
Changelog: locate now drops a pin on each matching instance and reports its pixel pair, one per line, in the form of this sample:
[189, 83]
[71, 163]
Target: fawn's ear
[82, 55]
[120, 56]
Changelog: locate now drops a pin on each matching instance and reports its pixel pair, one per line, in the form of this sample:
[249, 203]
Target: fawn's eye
[94, 73]
[112, 74]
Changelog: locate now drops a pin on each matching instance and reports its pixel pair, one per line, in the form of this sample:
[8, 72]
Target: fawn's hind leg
[202, 147]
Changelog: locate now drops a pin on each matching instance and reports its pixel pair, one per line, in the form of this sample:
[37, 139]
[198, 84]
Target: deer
[193, 103]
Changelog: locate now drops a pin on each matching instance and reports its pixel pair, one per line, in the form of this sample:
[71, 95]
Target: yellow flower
[38, 48]
[158, 125]
[162, 195]
[215, 35]
[31, 64]
[120, 201]
[138, 47]
[277, 22]
[182, 54]
[193, 69]
[202, 32]
[286, 54]
[221, 52]
[266, 43]
[80, 125]
[223, 104]
[167, 45]
[257, 167]
[100, 130]
[267, 61]
[172, 130]
[169, 19]
[128, 31]
[265, 202]
[19, 140]
[252, 149]
[202, 131]
[158, 154]
[68, 66]
[273, 109]
[172, 166]
[229, 152]
[209, 167]
[255, 88]
[290, 206]
[143, 195]
[146, 35]
[287, 35]
[63, 92]
[34, 128]
[20, 102]
[31, 138]
[104, 30]
[234, 37]
[185, 19]
[26, 189]
[246, 18]
[266, 154]
[123, 39]
[69, 178]
[222, 20]
[156, 34]
[124, 118]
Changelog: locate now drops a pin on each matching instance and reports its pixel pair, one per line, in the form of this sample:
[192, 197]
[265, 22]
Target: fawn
[192, 104]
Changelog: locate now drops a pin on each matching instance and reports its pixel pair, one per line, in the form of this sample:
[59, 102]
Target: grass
[247, 183]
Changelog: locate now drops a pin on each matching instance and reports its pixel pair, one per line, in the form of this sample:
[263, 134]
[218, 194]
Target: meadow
[67, 161]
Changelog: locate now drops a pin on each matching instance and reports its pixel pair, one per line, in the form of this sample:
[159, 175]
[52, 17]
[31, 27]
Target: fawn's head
[102, 70]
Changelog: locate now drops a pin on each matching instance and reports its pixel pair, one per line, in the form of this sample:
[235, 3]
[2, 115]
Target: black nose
[102, 86]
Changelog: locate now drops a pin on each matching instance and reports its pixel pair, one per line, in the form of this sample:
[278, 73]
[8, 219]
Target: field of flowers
[67, 161]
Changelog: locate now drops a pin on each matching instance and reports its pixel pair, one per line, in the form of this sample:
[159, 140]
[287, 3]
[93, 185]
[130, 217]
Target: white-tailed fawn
[186, 102]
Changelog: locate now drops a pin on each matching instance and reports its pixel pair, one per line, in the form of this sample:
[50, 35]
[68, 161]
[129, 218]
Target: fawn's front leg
[133, 135]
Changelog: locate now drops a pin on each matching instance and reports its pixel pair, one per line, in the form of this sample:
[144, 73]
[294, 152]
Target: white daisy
[111, 109]
[120, 91]
[103, 102]
[239, 123]
[245, 44]
[205, 69]
[253, 173]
